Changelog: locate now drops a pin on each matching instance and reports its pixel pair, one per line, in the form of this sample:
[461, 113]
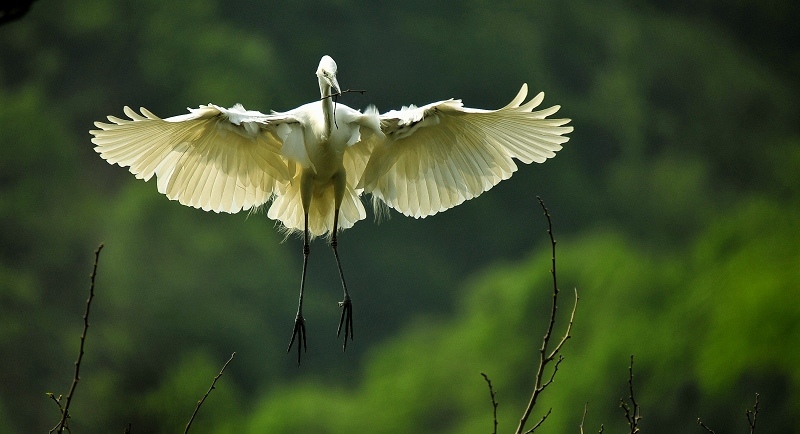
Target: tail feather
[288, 209]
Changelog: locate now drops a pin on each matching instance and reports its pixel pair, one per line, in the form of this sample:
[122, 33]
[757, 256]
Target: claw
[346, 319]
[299, 330]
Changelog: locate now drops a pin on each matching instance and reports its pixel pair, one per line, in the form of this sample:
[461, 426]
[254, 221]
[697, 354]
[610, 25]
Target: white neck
[327, 104]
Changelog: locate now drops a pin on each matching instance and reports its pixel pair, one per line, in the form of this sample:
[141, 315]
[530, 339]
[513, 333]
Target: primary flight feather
[314, 162]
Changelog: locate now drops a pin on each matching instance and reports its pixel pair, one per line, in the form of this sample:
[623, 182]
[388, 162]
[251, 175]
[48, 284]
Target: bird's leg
[347, 305]
[299, 321]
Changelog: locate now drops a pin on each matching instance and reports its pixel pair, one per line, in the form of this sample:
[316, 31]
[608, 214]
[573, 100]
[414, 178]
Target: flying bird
[314, 162]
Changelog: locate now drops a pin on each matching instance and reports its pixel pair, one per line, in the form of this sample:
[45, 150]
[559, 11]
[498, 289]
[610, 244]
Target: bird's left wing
[217, 159]
[357, 155]
[437, 156]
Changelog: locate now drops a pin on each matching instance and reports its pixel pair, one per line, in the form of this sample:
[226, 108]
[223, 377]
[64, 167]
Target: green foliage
[675, 201]
[632, 301]
[750, 268]
[196, 62]
[39, 243]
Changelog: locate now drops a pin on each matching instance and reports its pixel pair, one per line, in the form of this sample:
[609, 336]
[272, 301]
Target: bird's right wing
[223, 160]
[437, 156]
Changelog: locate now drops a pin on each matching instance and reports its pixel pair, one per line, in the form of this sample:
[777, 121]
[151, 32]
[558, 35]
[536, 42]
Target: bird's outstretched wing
[217, 159]
[437, 156]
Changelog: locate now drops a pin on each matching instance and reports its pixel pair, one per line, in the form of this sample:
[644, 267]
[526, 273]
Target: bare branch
[752, 415]
[631, 413]
[553, 374]
[57, 400]
[546, 357]
[62, 424]
[583, 418]
[200, 402]
[494, 402]
[700, 422]
[541, 421]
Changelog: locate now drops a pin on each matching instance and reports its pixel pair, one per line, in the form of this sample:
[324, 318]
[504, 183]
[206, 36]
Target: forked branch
[702, 425]
[632, 410]
[546, 354]
[752, 415]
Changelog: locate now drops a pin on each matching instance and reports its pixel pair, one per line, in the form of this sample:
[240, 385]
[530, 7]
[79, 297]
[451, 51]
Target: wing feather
[437, 156]
[224, 160]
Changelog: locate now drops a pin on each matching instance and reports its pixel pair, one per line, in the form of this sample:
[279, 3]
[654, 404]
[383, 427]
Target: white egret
[314, 162]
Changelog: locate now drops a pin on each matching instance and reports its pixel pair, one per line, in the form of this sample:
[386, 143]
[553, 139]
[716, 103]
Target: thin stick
[631, 414]
[57, 400]
[494, 402]
[546, 358]
[362, 92]
[705, 427]
[700, 422]
[335, 97]
[208, 392]
[583, 418]
[62, 424]
[541, 421]
[200, 402]
[752, 415]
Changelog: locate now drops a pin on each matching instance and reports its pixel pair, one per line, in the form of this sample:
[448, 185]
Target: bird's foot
[346, 320]
[300, 333]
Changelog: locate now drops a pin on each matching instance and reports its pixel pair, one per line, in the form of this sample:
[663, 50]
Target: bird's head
[326, 72]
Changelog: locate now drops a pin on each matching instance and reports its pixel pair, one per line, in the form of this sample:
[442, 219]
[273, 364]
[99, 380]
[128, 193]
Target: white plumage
[320, 158]
[418, 160]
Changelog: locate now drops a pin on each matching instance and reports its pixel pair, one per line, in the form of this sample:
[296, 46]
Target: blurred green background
[675, 204]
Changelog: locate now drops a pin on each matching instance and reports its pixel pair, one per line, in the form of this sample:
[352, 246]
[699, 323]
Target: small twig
[62, 424]
[700, 422]
[546, 357]
[335, 96]
[361, 91]
[602, 428]
[583, 418]
[127, 429]
[632, 414]
[494, 402]
[200, 402]
[57, 400]
[752, 415]
[541, 421]
[555, 370]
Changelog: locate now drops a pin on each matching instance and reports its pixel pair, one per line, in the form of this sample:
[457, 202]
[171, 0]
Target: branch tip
[208, 392]
[62, 424]
[546, 357]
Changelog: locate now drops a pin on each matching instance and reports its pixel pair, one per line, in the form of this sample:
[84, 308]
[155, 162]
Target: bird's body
[317, 153]
[314, 162]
